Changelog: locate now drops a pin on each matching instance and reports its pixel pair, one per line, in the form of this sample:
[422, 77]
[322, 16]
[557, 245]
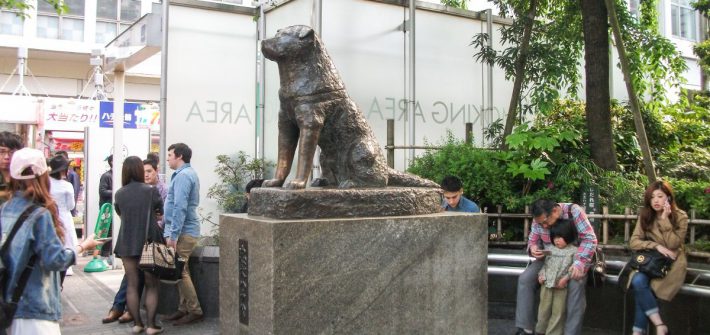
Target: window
[69, 26]
[683, 20]
[114, 16]
[10, 23]
[635, 8]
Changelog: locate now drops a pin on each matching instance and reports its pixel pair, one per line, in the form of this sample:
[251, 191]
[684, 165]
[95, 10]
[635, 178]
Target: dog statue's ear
[306, 33]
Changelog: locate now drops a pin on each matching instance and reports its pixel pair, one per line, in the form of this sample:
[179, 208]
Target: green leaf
[516, 140]
[545, 143]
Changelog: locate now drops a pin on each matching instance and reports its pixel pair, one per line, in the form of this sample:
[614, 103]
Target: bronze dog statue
[316, 110]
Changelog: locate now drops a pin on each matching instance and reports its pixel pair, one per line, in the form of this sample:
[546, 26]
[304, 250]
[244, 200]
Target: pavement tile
[87, 297]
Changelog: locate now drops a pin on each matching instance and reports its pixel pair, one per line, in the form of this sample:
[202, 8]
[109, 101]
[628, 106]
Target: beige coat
[663, 233]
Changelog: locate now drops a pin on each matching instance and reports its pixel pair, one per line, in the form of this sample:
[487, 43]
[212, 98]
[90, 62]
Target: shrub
[235, 172]
[482, 171]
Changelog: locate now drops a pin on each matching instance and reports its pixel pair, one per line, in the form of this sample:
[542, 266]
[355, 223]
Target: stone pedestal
[424, 274]
[319, 203]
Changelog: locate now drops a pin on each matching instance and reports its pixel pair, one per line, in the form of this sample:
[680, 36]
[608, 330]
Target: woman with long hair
[137, 204]
[39, 238]
[63, 194]
[661, 226]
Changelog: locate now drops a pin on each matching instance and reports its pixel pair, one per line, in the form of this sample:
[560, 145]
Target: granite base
[424, 274]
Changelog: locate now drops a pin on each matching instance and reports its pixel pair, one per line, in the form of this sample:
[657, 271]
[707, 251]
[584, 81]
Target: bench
[696, 284]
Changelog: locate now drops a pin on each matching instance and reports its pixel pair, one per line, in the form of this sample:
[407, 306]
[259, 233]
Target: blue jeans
[645, 301]
[119, 301]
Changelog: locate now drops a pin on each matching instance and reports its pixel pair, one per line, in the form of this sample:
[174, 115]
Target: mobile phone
[546, 252]
[105, 239]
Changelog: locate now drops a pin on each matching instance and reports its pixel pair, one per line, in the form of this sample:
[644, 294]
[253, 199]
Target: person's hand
[666, 210]
[537, 253]
[89, 243]
[541, 279]
[576, 273]
[171, 243]
[667, 252]
[563, 282]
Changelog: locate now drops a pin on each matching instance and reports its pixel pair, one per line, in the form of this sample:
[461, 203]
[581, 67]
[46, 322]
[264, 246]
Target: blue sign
[106, 114]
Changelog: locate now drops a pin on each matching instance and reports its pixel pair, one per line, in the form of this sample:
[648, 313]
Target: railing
[390, 147]
[628, 217]
[694, 283]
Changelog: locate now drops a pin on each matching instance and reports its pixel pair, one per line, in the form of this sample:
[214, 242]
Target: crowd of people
[37, 198]
[152, 212]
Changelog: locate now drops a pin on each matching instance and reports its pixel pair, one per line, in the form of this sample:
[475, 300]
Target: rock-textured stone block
[316, 203]
[424, 274]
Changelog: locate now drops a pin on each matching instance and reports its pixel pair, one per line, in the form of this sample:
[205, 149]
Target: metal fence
[628, 218]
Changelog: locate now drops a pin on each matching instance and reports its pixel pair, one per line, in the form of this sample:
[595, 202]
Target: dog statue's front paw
[272, 183]
[296, 185]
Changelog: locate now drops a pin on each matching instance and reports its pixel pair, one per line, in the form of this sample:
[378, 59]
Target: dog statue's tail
[397, 178]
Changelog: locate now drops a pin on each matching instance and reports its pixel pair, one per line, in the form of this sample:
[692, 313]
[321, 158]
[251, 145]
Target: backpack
[8, 308]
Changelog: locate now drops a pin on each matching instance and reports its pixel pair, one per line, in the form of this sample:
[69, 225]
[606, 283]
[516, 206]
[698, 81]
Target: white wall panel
[210, 89]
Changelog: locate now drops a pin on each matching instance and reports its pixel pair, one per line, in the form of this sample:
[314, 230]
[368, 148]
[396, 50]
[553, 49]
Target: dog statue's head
[289, 42]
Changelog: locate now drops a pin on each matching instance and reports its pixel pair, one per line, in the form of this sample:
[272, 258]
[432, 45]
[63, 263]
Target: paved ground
[87, 298]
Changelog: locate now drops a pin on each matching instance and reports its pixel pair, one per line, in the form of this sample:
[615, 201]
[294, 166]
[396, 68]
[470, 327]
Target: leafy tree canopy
[556, 50]
[23, 6]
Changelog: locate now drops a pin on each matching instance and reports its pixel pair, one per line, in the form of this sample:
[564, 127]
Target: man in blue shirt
[453, 196]
[182, 228]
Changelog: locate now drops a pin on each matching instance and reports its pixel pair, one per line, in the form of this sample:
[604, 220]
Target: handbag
[159, 259]
[597, 273]
[651, 262]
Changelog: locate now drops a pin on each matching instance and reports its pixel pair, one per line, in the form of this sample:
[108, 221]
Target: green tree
[596, 66]
[455, 3]
[551, 64]
[702, 49]
[22, 6]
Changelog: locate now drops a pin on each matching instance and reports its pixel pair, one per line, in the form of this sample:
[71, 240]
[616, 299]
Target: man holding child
[545, 215]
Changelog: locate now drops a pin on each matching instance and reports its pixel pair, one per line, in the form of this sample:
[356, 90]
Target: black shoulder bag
[8, 308]
[651, 262]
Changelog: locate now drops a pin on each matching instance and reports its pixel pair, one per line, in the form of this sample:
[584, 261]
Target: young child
[554, 276]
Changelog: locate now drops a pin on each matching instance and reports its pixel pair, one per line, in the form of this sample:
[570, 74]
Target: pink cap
[27, 158]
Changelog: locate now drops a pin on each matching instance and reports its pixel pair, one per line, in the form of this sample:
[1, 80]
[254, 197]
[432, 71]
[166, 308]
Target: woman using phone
[661, 226]
[137, 204]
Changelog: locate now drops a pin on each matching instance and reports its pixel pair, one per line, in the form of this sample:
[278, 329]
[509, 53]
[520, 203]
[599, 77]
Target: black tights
[152, 287]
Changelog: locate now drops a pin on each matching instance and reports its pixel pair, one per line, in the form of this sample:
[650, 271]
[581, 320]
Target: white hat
[27, 158]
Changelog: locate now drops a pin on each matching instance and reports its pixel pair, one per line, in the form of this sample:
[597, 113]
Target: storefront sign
[136, 116]
[69, 114]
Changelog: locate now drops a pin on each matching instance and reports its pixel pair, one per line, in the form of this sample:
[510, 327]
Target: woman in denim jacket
[39, 309]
